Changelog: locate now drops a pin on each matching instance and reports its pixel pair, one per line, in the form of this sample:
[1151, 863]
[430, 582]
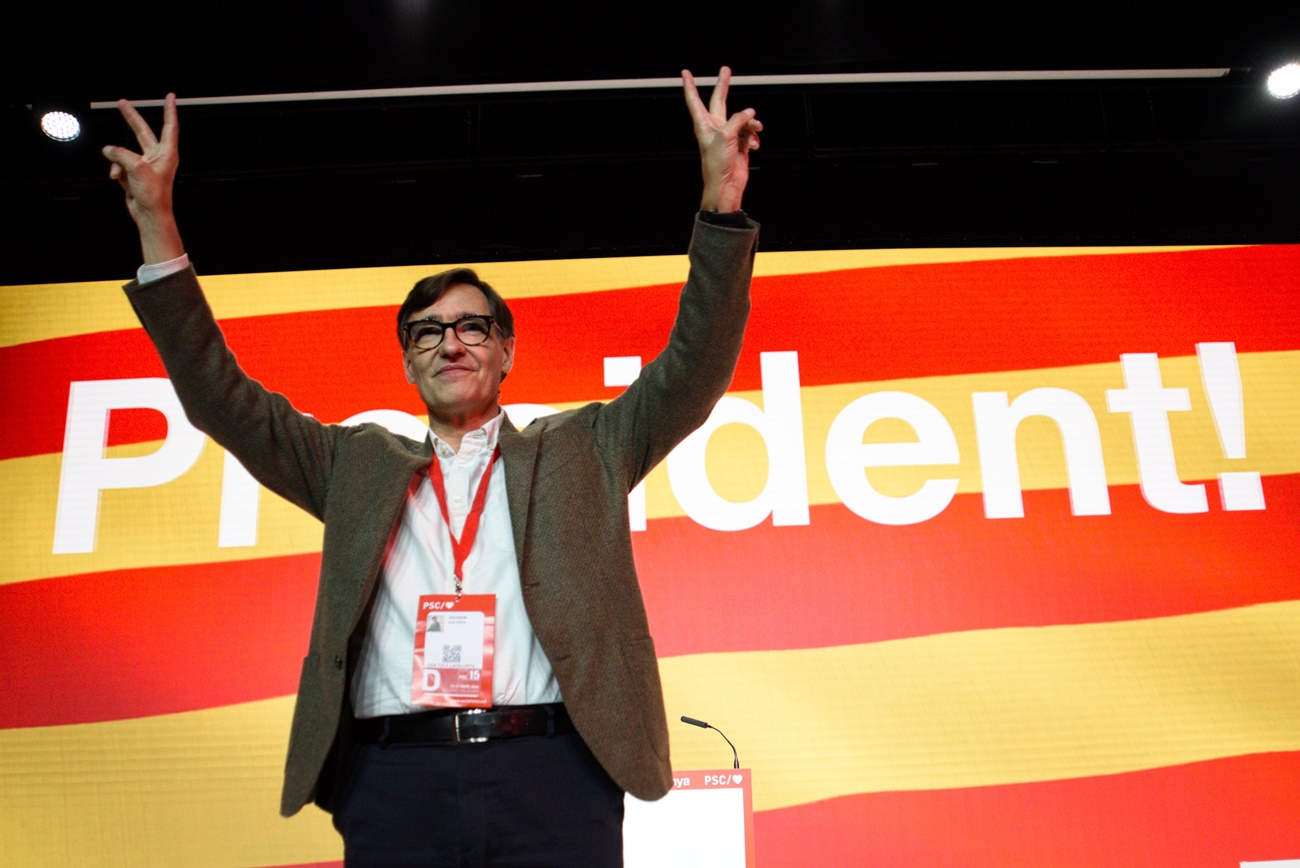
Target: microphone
[735, 757]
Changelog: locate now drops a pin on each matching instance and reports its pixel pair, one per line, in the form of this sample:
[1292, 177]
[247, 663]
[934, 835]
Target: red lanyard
[461, 547]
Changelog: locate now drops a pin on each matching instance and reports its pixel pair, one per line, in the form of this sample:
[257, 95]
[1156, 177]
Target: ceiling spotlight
[1284, 81]
[60, 125]
[58, 117]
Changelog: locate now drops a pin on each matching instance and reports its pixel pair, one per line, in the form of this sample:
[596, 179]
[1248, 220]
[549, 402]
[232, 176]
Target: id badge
[453, 651]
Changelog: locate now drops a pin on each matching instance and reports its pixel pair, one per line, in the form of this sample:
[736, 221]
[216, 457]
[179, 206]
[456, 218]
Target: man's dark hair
[432, 288]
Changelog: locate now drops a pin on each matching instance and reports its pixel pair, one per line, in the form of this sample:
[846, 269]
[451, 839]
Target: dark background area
[299, 185]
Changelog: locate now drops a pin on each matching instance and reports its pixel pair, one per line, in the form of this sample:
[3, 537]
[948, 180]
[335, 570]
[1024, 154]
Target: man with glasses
[481, 686]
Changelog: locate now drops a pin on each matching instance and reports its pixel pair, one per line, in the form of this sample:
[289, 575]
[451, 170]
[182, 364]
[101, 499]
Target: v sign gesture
[725, 143]
[147, 178]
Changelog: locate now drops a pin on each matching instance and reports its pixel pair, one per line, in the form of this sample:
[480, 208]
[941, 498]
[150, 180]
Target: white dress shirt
[419, 561]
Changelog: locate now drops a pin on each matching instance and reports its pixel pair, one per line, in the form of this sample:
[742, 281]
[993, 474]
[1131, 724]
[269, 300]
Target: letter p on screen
[87, 471]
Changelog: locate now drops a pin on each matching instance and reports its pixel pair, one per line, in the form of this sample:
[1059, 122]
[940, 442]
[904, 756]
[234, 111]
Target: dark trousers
[529, 801]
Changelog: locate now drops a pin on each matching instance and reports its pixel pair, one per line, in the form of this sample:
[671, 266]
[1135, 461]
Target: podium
[705, 821]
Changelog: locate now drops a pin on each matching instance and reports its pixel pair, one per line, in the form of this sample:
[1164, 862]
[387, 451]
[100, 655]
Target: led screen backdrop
[989, 557]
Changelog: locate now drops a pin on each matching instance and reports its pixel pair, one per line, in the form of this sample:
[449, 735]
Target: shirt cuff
[159, 270]
[734, 219]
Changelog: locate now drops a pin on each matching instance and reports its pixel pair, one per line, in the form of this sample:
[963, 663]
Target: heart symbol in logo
[737, 778]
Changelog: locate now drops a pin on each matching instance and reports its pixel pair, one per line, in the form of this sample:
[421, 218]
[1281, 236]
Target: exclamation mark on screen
[1238, 489]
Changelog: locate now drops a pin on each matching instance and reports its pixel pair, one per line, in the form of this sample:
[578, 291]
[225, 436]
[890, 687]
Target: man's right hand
[147, 178]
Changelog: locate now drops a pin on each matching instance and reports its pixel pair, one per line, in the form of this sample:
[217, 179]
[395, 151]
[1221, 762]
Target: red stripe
[843, 580]
[129, 644]
[1202, 815]
[1020, 314]
[848, 326]
[134, 643]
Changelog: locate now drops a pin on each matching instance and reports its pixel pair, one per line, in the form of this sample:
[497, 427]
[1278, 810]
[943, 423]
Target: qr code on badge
[450, 653]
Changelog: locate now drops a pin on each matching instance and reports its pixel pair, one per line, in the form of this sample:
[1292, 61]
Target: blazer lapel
[519, 454]
[393, 480]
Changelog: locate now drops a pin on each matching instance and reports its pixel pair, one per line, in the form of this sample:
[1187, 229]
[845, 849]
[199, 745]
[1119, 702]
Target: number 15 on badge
[452, 664]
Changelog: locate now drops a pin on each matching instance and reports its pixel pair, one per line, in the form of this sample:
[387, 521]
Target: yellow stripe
[176, 523]
[189, 507]
[995, 706]
[956, 710]
[194, 789]
[45, 311]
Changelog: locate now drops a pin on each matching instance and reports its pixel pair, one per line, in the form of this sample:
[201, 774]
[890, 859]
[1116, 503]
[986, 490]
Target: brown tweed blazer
[567, 478]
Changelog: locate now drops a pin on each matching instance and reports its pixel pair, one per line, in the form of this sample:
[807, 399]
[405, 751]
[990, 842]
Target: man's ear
[508, 349]
[406, 366]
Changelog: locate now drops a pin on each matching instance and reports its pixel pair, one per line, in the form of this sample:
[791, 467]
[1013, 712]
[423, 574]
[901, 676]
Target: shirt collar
[480, 438]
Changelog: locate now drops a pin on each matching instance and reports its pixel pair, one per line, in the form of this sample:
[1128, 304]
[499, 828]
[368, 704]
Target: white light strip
[645, 83]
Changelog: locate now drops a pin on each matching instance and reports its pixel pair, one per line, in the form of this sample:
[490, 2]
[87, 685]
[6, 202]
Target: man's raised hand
[725, 143]
[147, 178]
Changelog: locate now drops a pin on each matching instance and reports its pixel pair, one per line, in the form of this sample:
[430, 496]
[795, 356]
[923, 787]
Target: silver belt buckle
[455, 720]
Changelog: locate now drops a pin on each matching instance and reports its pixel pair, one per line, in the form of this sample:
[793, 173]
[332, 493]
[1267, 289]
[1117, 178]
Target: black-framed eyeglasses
[427, 334]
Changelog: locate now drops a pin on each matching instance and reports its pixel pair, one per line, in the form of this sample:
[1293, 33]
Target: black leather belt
[464, 725]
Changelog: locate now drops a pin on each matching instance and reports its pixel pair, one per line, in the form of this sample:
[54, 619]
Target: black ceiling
[405, 180]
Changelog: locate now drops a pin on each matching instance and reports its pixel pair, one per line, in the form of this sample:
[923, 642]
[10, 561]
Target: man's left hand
[725, 143]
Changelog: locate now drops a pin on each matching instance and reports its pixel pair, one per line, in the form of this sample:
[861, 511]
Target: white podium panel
[705, 821]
